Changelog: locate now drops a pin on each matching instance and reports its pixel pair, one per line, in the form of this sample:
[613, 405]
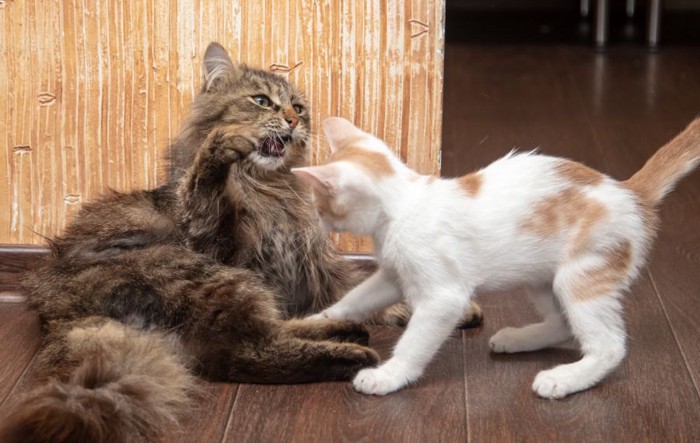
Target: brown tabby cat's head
[234, 94]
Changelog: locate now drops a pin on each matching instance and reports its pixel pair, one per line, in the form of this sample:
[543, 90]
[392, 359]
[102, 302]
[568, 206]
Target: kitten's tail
[668, 165]
[125, 385]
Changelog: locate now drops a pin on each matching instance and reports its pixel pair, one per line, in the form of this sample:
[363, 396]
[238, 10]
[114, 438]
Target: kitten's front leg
[432, 322]
[371, 296]
[207, 212]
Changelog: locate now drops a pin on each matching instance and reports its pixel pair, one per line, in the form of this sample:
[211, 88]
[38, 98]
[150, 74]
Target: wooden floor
[610, 110]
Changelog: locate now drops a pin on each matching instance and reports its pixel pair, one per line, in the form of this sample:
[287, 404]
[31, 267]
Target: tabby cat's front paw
[378, 381]
[227, 145]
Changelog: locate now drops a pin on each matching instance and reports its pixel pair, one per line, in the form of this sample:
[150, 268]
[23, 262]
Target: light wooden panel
[91, 91]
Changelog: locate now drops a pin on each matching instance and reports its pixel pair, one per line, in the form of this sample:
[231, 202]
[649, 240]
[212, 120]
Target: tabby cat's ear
[320, 178]
[339, 132]
[217, 64]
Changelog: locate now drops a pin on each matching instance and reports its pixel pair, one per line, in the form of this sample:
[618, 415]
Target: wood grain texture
[511, 98]
[674, 270]
[431, 410]
[209, 416]
[92, 92]
[20, 339]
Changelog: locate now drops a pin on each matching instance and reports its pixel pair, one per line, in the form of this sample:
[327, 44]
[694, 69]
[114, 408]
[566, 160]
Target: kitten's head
[347, 189]
[259, 101]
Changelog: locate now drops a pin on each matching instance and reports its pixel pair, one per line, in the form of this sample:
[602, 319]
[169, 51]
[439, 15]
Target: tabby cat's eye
[262, 100]
[298, 109]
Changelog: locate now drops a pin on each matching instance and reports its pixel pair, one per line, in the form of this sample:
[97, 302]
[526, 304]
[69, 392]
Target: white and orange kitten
[574, 237]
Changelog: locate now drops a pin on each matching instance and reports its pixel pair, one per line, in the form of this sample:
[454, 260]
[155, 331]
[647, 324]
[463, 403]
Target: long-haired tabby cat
[203, 274]
[575, 237]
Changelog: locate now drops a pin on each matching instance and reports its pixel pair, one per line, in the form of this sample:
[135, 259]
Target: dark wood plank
[431, 410]
[209, 415]
[511, 97]
[635, 100]
[674, 270]
[20, 338]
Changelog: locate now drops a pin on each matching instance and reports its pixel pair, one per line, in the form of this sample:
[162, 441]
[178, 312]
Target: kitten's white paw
[377, 381]
[555, 383]
[506, 340]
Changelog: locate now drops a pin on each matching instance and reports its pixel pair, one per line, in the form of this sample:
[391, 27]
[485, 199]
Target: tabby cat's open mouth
[274, 146]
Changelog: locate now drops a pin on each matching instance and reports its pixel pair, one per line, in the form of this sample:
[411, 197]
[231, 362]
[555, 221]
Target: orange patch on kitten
[554, 213]
[471, 183]
[591, 214]
[572, 207]
[606, 278]
[568, 209]
[660, 172]
[579, 174]
[667, 165]
[376, 163]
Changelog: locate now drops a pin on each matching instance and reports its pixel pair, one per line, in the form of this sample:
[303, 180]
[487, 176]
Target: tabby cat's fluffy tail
[126, 385]
[668, 165]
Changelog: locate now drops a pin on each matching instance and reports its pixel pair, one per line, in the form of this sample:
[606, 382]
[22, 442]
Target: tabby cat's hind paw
[356, 358]
[345, 331]
[349, 332]
[325, 329]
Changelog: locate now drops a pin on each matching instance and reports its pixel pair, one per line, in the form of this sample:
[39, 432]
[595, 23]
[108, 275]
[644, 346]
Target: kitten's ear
[339, 131]
[321, 178]
[217, 64]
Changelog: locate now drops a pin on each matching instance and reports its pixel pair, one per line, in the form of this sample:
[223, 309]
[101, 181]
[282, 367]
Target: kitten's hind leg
[590, 296]
[334, 330]
[551, 331]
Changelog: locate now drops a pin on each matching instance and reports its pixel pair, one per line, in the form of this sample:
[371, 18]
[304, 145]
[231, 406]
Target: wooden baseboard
[16, 259]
